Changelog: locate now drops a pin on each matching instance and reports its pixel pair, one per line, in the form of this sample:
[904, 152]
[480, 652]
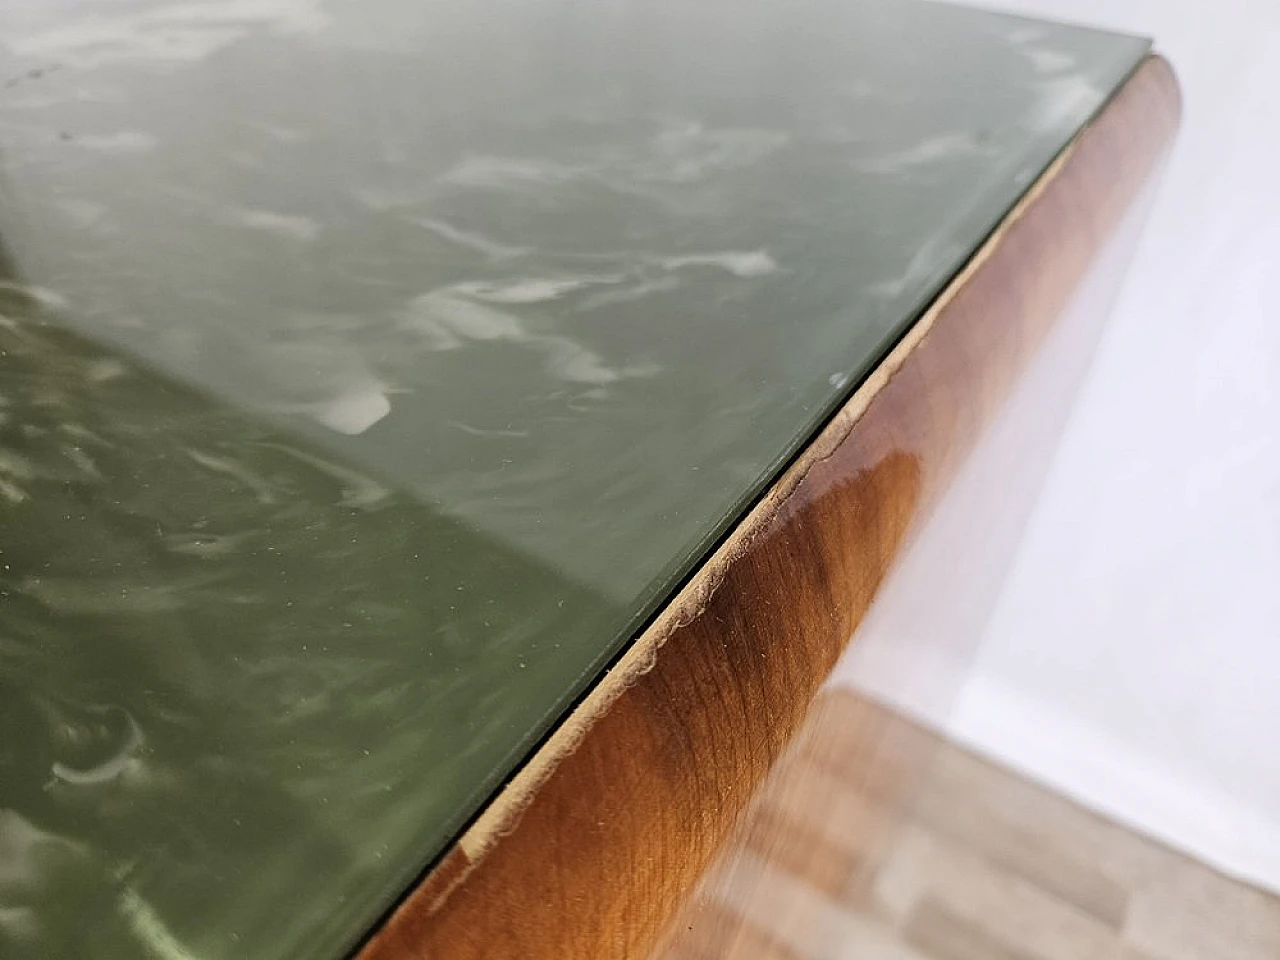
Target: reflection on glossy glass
[226, 665]
[490, 319]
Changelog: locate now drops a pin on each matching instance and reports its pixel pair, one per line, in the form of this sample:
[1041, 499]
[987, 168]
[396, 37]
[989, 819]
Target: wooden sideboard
[445, 451]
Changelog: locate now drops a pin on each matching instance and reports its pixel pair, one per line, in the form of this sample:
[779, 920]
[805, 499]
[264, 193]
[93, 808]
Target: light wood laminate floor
[876, 840]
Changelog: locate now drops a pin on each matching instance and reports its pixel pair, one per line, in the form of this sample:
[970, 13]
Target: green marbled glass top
[369, 372]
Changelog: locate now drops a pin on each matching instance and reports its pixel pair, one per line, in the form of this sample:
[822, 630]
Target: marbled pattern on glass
[372, 370]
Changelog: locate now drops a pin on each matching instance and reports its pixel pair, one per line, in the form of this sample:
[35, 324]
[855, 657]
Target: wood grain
[591, 849]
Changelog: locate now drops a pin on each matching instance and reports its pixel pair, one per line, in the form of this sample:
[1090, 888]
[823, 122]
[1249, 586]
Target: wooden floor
[876, 841]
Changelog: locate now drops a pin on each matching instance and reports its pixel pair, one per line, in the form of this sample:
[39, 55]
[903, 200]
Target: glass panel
[371, 371]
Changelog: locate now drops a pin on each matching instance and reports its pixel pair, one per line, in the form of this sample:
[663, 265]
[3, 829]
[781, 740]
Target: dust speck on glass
[370, 371]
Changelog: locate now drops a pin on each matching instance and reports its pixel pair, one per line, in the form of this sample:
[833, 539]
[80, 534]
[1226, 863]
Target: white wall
[1133, 656]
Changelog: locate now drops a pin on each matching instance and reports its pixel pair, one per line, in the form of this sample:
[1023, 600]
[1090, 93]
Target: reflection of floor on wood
[876, 841]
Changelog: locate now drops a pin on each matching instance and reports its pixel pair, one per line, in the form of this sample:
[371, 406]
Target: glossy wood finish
[820, 833]
[814, 871]
[593, 846]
